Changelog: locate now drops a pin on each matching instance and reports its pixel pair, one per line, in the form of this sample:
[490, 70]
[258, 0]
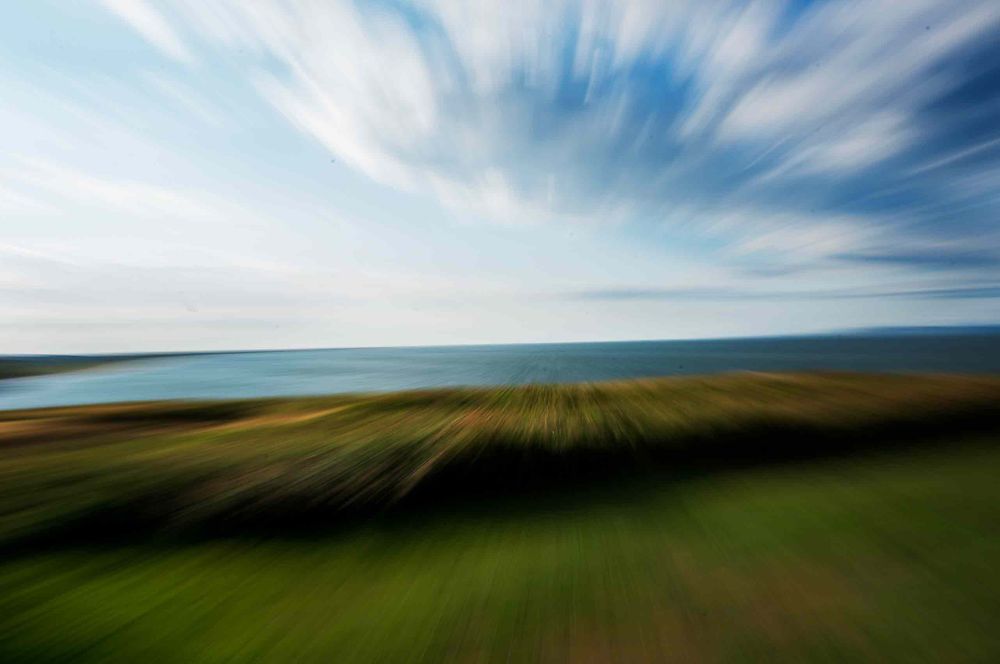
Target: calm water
[281, 373]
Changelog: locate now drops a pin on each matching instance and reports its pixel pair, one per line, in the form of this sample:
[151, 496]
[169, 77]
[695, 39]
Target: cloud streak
[142, 17]
[701, 294]
[527, 111]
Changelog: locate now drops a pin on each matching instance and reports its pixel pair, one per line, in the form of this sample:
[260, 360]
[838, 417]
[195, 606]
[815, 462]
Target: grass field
[731, 518]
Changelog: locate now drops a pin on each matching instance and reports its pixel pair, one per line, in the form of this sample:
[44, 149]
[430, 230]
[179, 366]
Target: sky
[222, 174]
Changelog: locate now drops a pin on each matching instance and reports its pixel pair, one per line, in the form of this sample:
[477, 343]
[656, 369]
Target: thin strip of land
[26, 366]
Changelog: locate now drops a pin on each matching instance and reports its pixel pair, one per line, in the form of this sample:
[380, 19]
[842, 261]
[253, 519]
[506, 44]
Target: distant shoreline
[56, 360]
[40, 381]
[28, 366]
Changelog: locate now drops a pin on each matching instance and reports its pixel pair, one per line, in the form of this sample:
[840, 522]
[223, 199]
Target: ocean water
[310, 372]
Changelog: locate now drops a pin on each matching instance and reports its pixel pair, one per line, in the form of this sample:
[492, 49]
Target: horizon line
[902, 330]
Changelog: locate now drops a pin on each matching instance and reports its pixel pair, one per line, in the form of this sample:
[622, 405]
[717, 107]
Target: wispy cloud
[151, 24]
[590, 109]
[697, 294]
[55, 182]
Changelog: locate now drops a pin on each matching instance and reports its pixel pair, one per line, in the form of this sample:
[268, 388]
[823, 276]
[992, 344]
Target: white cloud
[464, 102]
[853, 69]
[55, 182]
[186, 99]
[151, 24]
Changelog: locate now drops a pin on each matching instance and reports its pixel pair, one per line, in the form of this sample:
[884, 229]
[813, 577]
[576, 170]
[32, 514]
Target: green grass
[735, 518]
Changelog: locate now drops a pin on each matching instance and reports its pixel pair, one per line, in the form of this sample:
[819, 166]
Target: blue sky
[205, 174]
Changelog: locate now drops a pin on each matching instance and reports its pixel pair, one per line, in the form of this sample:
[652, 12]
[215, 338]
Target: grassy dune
[733, 518]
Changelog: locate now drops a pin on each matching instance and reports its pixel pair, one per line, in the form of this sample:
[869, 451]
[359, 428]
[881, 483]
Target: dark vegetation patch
[24, 366]
[278, 466]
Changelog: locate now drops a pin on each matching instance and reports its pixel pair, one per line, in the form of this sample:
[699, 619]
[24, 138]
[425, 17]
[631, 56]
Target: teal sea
[305, 372]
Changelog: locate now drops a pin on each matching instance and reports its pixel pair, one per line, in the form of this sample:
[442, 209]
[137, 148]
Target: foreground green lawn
[885, 554]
